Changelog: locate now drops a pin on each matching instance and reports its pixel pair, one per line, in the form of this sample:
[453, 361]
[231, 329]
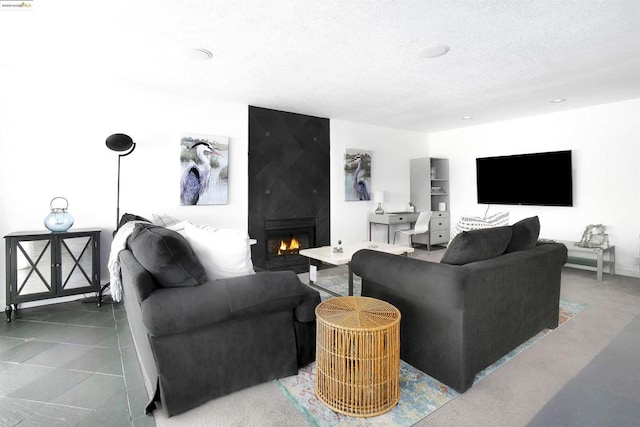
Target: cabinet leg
[7, 311]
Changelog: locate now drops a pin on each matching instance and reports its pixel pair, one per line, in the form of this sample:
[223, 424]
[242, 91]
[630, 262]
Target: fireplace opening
[284, 240]
[289, 243]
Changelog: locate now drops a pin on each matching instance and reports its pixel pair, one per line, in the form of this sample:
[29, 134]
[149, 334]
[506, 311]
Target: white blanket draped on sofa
[119, 243]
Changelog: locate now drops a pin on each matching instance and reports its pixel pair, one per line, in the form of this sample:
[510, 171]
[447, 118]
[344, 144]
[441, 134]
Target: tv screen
[542, 179]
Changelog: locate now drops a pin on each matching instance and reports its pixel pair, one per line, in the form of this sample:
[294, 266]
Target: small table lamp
[378, 197]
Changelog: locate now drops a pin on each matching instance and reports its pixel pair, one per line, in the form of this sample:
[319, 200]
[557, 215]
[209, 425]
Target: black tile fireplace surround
[289, 189]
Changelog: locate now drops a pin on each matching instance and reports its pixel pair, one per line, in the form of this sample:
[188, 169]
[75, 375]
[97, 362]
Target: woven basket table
[358, 355]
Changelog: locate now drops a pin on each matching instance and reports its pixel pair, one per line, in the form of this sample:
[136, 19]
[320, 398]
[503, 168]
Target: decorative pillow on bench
[468, 223]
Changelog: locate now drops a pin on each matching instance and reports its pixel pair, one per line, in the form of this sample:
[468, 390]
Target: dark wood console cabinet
[42, 264]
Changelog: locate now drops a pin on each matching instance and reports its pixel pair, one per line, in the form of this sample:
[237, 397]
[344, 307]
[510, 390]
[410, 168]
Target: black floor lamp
[120, 143]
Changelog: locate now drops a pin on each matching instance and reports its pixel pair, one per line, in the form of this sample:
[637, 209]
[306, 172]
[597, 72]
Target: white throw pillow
[179, 227]
[223, 253]
[466, 223]
[165, 220]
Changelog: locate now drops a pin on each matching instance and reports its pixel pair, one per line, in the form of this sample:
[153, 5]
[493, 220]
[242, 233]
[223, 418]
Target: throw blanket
[119, 243]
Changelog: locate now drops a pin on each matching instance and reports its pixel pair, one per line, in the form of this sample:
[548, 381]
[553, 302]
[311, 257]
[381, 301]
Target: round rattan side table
[358, 355]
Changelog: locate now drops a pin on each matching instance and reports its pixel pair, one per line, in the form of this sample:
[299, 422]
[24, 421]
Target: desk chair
[421, 227]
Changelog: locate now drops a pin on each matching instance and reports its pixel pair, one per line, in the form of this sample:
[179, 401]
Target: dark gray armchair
[200, 341]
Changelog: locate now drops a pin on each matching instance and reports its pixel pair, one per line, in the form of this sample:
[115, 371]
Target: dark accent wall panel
[288, 173]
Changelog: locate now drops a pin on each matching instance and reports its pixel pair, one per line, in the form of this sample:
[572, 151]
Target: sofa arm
[306, 311]
[174, 310]
[133, 273]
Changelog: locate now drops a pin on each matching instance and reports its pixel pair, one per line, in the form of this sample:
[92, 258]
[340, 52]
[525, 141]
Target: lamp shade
[378, 196]
[119, 142]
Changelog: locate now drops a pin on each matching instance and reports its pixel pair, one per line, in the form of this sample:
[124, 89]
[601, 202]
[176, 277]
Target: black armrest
[174, 310]
[132, 272]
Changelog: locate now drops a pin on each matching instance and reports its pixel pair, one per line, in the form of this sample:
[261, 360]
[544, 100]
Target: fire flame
[288, 247]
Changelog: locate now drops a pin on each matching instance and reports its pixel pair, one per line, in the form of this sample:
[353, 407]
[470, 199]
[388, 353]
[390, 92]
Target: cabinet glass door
[34, 261]
[76, 262]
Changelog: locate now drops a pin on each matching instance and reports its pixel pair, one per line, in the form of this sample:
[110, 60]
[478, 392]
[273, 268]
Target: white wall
[52, 143]
[52, 137]
[605, 141]
[391, 150]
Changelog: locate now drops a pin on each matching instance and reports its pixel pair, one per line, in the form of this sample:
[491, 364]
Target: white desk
[392, 218]
[327, 255]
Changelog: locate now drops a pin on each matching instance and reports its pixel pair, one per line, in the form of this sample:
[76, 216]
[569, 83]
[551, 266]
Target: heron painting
[204, 161]
[357, 172]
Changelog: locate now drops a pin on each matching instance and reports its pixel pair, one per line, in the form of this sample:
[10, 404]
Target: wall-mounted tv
[542, 179]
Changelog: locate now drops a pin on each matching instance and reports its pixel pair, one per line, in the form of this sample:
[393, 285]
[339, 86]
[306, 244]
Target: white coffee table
[327, 255]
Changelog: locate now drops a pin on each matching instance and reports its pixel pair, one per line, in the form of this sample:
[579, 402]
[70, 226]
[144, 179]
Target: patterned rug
[337, 283]
[420, 394]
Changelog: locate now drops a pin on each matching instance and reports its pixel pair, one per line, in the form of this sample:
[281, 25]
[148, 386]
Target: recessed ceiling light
[467, 117]
[434, 51]
[198, 54]
[557, 100]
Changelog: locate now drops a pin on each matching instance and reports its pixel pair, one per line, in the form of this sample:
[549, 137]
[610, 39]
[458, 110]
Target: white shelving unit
[429, 189]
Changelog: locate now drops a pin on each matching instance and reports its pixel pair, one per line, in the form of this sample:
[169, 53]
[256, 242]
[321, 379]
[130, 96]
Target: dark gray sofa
[202, 339]
[493, 290]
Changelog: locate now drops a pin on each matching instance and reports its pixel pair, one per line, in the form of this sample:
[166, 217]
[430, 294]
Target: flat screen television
[542, 179]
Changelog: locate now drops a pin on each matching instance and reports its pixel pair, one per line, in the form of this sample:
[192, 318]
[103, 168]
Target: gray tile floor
[70, 364]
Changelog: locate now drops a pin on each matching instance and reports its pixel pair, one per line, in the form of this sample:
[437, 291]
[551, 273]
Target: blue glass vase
[59, 219]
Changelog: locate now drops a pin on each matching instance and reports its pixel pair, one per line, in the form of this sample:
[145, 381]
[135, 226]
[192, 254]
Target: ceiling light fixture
[434, 51]
[198, 54]
[467, 117]
[557, 100]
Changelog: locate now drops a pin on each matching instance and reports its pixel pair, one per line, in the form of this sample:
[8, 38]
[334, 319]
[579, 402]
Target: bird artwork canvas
[357, 172]
[204, 161]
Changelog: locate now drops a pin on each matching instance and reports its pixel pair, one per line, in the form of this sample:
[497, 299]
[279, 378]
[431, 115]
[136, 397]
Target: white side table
[590, 258]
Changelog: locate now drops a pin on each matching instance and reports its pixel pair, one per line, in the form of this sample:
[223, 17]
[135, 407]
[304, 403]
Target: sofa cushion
[477, 245]
[166, 255]
[224, 253]
[524, 234]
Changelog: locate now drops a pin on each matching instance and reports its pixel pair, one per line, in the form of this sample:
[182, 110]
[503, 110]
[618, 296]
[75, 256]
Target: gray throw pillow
[166, 255]
[477, 245]
[524, 234]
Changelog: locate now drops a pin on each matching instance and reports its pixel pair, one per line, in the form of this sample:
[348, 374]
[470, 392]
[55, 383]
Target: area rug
[337, 283]
[420, 394]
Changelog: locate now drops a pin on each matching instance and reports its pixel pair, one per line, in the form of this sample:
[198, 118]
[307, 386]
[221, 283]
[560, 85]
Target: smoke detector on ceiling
[198, 54]
[434, 51]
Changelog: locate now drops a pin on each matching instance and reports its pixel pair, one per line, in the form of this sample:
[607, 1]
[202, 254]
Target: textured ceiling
[351, 60]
